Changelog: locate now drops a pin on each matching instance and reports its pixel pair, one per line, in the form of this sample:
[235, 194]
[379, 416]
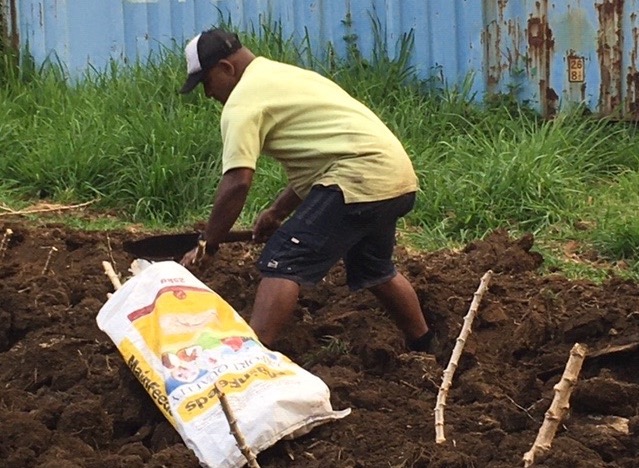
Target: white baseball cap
[204, 51]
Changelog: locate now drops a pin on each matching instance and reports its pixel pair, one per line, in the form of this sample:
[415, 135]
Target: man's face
[220, 81]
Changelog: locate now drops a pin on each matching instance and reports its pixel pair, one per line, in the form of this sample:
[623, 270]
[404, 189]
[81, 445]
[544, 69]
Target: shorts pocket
[303, 254]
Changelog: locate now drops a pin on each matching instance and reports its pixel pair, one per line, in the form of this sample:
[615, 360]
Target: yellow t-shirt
[317, 131]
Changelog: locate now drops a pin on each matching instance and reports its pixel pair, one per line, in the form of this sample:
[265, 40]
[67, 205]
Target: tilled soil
[69, 400]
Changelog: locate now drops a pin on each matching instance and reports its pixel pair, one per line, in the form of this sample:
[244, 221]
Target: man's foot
[427, 343]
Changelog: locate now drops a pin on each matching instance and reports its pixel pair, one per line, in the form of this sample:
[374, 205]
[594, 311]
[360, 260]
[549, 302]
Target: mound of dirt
[68, 399]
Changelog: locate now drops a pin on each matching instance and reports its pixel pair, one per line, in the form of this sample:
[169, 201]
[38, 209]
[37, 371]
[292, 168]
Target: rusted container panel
[561, 54]
[630, 61]
[553, 55]
[8, 25]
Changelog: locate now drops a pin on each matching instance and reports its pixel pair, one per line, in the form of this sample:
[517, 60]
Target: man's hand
[265, 225]
[270, 219]
[195, 256]
[190, 258]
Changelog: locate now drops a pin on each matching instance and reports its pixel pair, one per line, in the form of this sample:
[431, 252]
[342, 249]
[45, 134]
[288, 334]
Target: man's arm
[285, 203]
[270, 219]
[229, 200]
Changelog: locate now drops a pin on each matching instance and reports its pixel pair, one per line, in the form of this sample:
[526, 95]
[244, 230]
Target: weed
[332, 348]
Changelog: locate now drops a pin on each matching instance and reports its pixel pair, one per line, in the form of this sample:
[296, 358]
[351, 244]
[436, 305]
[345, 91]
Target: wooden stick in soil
[235, 430]
[559, 406]
[110, 249]
[200, 252]
[449, 372]
[112, 275]
[45, 269]
[4, 243]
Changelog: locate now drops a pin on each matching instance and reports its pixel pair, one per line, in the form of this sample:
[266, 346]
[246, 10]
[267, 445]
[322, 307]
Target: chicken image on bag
[180, 338]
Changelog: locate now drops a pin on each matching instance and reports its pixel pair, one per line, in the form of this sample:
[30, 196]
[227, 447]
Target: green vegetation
[125, 138]
[331, 350]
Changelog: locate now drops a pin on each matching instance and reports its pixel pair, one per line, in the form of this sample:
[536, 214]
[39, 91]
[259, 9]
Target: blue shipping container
[554, 55]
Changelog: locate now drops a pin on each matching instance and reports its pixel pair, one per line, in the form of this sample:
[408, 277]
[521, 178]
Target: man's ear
[227, 67]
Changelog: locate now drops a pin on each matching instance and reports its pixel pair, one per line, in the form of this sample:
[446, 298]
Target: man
[349, 178]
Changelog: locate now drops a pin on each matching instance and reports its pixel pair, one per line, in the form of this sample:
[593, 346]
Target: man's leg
[300, 252]
[400, 300]
[275, 302]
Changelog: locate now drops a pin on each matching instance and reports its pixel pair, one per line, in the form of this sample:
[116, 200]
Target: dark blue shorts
[324, 230]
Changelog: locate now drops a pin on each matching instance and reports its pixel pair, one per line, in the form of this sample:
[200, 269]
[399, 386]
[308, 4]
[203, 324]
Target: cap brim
[191, 82]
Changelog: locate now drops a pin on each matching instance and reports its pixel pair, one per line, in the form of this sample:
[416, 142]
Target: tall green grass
[125, 137]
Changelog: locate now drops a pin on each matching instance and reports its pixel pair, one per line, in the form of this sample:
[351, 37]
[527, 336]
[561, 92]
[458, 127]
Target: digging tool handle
[238, 236]
[231, 236]
[176, 245]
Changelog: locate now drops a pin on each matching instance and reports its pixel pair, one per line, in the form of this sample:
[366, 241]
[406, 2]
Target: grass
[125, 138]
[331, 349]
